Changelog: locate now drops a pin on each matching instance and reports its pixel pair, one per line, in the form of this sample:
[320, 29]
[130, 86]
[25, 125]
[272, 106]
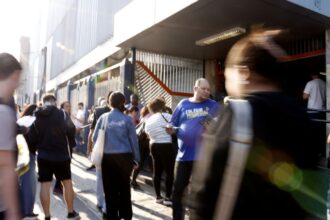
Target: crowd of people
[276, 176]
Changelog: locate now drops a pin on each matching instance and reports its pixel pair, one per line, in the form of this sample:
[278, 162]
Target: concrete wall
[140, 15]
[210, 67]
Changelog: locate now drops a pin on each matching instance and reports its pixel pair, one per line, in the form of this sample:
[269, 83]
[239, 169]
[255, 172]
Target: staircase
[164, 76]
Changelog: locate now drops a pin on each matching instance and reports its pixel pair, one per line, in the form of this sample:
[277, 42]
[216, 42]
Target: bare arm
[90, 141]
[8, 177]
[8, 180]
[79, 119]
[305, 96]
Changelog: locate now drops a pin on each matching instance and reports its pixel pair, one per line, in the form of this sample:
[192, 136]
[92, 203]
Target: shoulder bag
[98, 149]
[23, 155]
[240, 144]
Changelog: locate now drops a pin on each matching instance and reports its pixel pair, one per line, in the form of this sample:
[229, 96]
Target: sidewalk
[144, 205]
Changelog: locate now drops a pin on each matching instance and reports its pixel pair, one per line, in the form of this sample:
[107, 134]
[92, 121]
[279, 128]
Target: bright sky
[17, 18]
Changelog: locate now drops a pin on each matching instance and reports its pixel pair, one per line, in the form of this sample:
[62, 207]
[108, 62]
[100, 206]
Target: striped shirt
[155, 128]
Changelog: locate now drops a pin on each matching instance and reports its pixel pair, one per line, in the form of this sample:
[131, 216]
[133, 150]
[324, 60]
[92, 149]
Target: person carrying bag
[97, 152]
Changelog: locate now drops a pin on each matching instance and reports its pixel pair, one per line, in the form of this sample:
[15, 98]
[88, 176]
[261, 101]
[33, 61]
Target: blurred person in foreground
[10, 73]
[190, 119]
[280, 179]
[121, 154]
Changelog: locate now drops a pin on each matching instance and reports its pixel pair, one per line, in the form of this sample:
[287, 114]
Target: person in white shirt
[315, 93]
[162, 150]
[79, 122]
[80, 116]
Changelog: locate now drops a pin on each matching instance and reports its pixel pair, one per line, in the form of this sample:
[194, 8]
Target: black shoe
[135, 185]
[90, 168]
[99, 208]
[104, 216]
[58, 191]
[47, 218]
[73, 216]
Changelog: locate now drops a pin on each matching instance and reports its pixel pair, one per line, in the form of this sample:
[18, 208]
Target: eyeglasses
[203, 88]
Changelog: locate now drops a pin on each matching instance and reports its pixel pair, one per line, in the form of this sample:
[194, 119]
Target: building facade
[160, 47]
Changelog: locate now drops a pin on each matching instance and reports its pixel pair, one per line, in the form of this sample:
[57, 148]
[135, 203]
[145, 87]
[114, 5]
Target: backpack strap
[240, 144]
[65, 116]
[164, 117]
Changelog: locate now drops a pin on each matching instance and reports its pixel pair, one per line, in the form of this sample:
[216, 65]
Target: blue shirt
[139, 106]
[189, 118]
[120, 134]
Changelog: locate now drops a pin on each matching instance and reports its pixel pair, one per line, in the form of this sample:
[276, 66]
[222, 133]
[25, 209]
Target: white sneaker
[159, 200]
[31, 217]
[167, 202]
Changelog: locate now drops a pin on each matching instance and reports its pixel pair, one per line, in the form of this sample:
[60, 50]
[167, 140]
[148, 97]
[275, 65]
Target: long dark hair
[117, 100]
[29, 110]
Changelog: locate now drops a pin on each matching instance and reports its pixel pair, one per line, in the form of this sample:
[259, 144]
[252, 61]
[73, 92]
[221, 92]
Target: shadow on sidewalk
[151, 211]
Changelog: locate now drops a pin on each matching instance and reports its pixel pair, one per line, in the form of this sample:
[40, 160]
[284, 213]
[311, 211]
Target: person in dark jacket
[49, 134]
[66, 108]
[143, 146]
[280, 179]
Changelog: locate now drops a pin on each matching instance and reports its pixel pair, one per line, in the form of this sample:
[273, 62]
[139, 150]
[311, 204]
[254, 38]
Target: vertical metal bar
[161, 66]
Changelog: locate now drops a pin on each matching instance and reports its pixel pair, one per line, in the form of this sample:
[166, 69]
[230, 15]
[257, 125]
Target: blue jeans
[28, 188]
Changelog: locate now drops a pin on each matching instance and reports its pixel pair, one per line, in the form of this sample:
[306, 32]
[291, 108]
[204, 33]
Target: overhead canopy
[177, 34]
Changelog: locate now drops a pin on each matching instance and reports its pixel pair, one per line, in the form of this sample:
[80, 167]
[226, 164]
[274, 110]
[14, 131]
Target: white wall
[141, 14]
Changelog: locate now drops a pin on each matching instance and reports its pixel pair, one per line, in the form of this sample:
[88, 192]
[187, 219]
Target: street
[144, 205]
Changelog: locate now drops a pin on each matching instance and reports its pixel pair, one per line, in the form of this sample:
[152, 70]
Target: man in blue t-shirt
[190, 118]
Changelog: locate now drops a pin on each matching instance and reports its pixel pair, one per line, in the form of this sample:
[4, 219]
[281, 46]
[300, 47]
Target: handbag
[174, 137]
[23, 158]
[140, 131]
[98, 149]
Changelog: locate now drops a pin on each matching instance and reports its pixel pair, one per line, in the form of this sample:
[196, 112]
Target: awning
[177, 35]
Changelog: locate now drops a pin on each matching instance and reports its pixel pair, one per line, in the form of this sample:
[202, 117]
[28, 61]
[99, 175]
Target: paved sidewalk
[144, 205]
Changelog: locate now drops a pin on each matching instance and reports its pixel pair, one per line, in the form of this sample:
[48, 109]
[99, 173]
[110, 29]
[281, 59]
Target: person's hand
[169, 129]
[135, 165]
[89, 150]
[206, 125]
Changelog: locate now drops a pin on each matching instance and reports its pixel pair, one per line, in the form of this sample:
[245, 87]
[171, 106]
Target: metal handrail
[318, 110]
[177, 73]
